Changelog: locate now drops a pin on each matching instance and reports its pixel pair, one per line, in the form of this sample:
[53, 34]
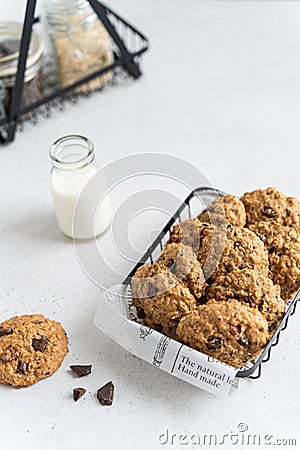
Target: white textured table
[221, 89]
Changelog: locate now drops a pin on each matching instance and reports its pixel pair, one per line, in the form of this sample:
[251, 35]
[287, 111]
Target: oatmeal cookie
[161, 299]
[270, 205]
[251, 288]
[283, 246]
[229, 331]
[32, 347]
[240, 249]
[182, 262]
[228, 209]
[190, 233]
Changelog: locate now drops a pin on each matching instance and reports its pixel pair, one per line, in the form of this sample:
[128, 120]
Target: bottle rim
[72, 152]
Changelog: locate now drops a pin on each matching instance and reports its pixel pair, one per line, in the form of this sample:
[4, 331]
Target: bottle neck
[72, 153]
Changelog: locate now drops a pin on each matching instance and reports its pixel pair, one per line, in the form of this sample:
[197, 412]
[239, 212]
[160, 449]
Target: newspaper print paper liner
[117, 318]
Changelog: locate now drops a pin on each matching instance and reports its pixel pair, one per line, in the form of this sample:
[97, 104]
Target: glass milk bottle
[78, 188]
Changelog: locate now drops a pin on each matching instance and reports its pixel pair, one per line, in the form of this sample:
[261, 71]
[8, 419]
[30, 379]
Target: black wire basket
[127, 45]
[195, 202]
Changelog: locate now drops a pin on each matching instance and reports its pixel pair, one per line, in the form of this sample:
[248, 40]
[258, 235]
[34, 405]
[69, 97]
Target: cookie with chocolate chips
[283, 246]
[251, 288]
[229, 331]
[235, 248]
[227, 209]
[270, 205]
[160, 298]
[182, 262]
[32, 347]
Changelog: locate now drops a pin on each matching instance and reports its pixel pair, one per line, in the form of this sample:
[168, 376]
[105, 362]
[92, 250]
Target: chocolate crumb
[22, 367]
[40, 345]
[81, 371]
[105, 394]
[78, 393]
[5, 331]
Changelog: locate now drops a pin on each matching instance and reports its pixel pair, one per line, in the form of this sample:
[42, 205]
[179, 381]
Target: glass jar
[78, 188]
[80, 42]
[10, 36]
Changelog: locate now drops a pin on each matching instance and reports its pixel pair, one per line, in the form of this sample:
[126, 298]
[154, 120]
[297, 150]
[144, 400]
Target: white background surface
[221, 89]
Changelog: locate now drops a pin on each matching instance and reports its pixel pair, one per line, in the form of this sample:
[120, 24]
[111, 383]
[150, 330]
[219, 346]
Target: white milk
[78, 188]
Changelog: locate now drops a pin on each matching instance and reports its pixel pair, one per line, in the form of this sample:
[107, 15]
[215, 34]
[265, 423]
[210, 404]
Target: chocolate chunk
[40, 345]
[78, 393]
[247, 299]
[272, 249]
[140, 312]
[268, 212]
[243, 341]
[105, 394]
[22, 367]
[214, 342]
[158, 327]
[5, 331]
[202, 300]
[81, 371]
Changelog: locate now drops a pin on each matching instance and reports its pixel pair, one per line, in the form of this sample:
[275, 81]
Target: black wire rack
[195, 202]
[127, 45]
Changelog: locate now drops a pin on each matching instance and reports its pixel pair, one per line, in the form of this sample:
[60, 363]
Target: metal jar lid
[10, 36]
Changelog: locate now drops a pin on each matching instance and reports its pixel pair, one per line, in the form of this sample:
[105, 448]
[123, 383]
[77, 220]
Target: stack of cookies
[222, 281]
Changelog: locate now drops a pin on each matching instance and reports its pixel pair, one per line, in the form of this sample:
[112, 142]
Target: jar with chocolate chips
[80, 42]
[10, 37]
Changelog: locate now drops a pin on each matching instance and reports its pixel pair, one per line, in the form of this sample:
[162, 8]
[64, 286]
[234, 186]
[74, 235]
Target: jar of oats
[81, 44]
